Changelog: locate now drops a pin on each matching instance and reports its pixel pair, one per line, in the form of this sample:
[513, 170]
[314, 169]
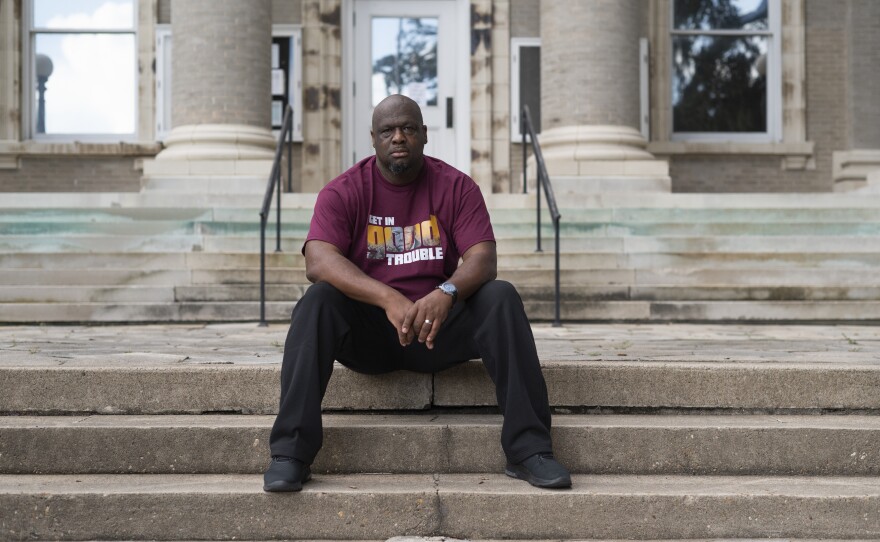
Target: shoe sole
[282, 486]
[562, 482]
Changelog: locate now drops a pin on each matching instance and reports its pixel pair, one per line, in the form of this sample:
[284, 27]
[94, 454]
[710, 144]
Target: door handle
[449, 113]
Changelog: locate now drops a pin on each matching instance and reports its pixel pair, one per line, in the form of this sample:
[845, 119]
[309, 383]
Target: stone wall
[726, 173]
[72, 174]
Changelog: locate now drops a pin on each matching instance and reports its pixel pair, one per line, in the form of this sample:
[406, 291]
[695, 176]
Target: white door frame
[462, 67]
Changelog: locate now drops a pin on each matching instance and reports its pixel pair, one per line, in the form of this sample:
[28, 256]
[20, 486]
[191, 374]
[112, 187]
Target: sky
[92, 89]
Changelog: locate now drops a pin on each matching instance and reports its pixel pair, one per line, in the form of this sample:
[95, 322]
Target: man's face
[399, 136]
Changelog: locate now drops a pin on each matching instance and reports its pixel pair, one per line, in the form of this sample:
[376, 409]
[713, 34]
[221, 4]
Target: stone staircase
[161, 256]
[672, 432]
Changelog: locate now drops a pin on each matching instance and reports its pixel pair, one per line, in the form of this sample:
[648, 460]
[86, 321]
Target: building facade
[680, 95]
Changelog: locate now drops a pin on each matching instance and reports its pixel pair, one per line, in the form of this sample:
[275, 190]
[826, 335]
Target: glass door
[406, 48]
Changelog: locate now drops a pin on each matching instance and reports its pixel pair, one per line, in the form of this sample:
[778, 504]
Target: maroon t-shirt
[408, 237]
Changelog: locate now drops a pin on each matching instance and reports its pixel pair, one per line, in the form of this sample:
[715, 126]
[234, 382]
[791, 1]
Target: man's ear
[425, 133]
[372, 139]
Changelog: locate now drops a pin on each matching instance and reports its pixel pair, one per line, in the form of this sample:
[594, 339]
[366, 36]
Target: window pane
[91, 87]
[721, 14]
[405, 59]
[719, 84]
[84, 14]
[530, 83]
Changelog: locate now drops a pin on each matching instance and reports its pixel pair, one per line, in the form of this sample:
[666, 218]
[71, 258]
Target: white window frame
[29, 107]
[516, 44]
[164, 75]
[294, 32]
[774, 79]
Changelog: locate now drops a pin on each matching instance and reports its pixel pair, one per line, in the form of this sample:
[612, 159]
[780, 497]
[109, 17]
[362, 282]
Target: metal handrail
[543, 181]
[273, 185]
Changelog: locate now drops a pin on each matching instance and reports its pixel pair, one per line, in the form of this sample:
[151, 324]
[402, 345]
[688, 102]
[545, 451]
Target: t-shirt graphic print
[402, 245]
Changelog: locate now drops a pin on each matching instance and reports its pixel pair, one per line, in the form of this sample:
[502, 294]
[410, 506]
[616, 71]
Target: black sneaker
[541, 470]
[286, 474]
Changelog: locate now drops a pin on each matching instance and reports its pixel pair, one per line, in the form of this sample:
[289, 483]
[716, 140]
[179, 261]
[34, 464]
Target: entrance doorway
[409, 48]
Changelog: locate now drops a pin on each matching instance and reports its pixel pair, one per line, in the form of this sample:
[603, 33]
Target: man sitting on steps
[383, 252]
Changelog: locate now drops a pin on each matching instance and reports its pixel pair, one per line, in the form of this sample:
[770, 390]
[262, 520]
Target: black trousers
[491, 324]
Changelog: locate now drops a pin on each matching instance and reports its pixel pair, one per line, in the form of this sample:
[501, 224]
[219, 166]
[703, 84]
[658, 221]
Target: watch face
[449, 289]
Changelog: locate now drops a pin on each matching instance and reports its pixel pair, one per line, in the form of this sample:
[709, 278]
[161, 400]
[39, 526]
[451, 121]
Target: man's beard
[398, 167]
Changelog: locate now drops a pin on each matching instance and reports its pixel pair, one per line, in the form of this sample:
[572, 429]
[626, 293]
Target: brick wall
[741, 174]
[72, 174]
[287, 11]
[864, 74]
[525, 18]
[164, 11]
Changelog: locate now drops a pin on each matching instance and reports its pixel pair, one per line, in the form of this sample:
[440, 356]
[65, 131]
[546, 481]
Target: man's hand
[396, 312]
[425, 318]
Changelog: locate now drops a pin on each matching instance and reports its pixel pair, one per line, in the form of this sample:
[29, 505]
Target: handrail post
[557, 322]
[290, 159]
[522, 129]
[538, 208]
[278, 214]
[263, 322]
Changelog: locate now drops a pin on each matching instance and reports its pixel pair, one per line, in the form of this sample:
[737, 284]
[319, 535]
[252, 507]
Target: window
[525, 83]
[81, 61]
[726, 70]
[286, 78]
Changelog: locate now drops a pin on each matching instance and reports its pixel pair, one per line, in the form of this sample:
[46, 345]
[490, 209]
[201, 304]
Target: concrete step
[569, 294]
[145, 312]
[708, 311]
[574, 226]
[250, 292]
[87, 294]
[693, 293]
[693, 209]
[94, 261]
[222, 306]
[606, 376]
[446, 443]
[586, 278]
[103, 243]
[46, 213]
[132, 277]
[466, 506]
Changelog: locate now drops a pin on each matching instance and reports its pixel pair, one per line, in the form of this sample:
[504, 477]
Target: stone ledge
[11, 152]
[795, 155]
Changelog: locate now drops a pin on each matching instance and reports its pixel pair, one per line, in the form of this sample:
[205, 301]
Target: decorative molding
[796, 156]
[77, 148]
[218, 142]
[852, 169]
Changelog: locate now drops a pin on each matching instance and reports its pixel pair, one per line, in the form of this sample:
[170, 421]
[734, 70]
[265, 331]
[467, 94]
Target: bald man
[383, 252]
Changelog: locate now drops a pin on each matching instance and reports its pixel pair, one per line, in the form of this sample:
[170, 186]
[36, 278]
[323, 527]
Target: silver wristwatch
[449, 289]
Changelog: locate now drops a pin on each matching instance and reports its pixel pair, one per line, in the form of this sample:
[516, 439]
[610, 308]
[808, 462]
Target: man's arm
[326, 263]
[479, 265]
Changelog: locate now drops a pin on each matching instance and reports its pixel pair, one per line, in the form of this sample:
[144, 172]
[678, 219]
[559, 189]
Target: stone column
[590, 91]
[10, 81]
[220, 86]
